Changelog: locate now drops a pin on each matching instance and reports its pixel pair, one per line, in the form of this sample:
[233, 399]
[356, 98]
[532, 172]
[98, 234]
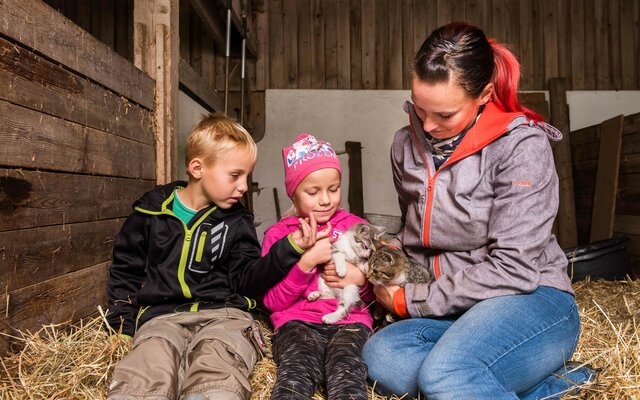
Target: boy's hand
[354, 276]
[319, 253]
[307, 234]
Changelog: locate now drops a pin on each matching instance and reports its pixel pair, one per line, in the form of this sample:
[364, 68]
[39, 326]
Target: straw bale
[76, 362]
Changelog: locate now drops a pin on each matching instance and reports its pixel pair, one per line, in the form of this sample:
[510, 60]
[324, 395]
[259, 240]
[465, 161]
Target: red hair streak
[505, 79]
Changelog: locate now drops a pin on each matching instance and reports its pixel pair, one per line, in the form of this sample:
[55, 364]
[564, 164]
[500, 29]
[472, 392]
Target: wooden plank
[627, 224]
[564, 40]
[208, 61]
[589, 48]
[305, 69]
[500, 16]
[369, 45]
[195, 44]
[408, 51]
[256, 115]
[566, 217]
[38, 84]
[185, 30]
[382, 44]
[628, 46]
[550, 34]
[30, 256]
[317, 45]
[276, 45]
[262, 62]
[199, 89]
[208, 15]
[35, 198]
[356, 202]
[123, 17]
[604, 201]
[613, 28]
[420, 33]
[636, 35]
[443, 12]
[156, 51]
[577, 45]
[344, 40]
[107, 19]
[355, 43]
[66, 298]
[34, 24]
[394, 81]
[29, 139]
[330, 17]
[601, 44]
[538, 46]
[458, 11]
[479, 13]
[236, 19]
[290, 43]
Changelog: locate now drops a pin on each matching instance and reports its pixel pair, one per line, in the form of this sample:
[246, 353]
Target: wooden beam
[356, 201]
[156, 51]
[34, 198]
[604, 200]
[38, 26]
[208, 14]
[46, 87]
[198, 89]
[54, 251]
[566, 218]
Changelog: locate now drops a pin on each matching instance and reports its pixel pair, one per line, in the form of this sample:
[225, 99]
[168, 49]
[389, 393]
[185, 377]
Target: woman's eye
[446, 116]
[333, 190]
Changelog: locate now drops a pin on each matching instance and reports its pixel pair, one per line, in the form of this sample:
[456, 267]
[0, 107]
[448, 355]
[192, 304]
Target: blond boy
[186, 267]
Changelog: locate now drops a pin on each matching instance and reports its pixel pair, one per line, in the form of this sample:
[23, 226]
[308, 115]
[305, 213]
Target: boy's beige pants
[189, 356]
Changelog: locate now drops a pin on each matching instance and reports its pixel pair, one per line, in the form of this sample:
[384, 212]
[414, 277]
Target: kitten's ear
[363, 229]
[378, 231]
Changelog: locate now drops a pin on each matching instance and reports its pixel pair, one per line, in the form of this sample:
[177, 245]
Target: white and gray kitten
[353, 246]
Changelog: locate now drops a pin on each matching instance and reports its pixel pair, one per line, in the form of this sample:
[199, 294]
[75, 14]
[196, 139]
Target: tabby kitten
[353, 246]
[390, 266]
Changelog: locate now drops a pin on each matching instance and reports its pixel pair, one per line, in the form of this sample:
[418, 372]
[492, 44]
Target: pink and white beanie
[306, 155]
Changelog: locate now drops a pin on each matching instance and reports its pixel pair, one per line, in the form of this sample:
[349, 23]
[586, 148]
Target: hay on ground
[76, 362]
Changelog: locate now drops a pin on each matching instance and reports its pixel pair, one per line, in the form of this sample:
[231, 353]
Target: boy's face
[224, 182]
[318, 193]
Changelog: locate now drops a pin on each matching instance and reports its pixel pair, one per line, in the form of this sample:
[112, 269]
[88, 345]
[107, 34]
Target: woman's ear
[485, 96]
[195, 167]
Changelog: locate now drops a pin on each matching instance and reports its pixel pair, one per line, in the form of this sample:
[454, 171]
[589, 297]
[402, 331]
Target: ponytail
[506, 74]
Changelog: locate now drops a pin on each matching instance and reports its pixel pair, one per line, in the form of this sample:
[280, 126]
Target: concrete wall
[371, 117]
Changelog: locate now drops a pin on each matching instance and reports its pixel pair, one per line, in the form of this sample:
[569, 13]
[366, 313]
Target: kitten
[353, 246]
[390, 266]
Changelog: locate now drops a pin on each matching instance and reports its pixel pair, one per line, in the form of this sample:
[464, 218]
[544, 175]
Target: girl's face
[318, 193]
[444, 108]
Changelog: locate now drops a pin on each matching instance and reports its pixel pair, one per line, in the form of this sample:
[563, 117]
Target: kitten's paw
[332, 318]
[341, 270]
[313, 296]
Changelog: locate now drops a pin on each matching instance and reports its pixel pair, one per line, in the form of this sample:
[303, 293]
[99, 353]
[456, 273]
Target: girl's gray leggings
[309, 354]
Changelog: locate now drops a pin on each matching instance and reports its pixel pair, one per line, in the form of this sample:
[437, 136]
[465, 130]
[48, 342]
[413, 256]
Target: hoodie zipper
[186, 245]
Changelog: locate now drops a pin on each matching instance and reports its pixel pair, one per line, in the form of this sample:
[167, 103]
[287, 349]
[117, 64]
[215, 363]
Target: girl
[478, 191]
[307, 351]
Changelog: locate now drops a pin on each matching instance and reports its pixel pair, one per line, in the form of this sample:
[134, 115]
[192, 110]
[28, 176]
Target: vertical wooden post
[156, 52]
[566, 219]
[606, 188]
[356, 202]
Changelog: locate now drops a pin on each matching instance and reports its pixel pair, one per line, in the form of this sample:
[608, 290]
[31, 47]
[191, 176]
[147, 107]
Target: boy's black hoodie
[160, 265]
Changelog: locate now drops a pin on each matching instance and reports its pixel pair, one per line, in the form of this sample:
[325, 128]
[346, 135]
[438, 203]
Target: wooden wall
[76, 149]
[368, 44]
[585, 144]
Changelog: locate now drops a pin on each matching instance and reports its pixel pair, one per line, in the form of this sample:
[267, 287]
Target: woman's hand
[353, 276]
[384, 295]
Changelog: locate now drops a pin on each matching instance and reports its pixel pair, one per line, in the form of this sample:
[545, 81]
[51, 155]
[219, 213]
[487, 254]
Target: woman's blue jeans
[510, 347]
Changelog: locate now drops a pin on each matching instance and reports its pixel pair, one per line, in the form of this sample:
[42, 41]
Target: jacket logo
[218, 235]
[521, 183]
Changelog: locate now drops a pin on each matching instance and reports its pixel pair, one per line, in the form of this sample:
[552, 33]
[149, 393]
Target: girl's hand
[354, 276]
[384, 295]
[319, 253]
[307, 234]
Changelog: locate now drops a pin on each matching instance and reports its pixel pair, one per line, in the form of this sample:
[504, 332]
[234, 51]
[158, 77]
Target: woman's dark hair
[462, 51]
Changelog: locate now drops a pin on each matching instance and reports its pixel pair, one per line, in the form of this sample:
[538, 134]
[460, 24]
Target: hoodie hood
[154, 199]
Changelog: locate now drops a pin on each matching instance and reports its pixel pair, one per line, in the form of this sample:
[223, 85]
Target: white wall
[371, 117]
[189, 113]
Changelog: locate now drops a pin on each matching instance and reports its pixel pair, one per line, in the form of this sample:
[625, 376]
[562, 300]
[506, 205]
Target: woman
[478, 192]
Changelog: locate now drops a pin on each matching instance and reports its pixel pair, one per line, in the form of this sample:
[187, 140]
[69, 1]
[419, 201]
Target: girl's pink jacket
[288, 299]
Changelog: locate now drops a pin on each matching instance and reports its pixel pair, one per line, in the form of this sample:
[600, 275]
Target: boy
[183, 264]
